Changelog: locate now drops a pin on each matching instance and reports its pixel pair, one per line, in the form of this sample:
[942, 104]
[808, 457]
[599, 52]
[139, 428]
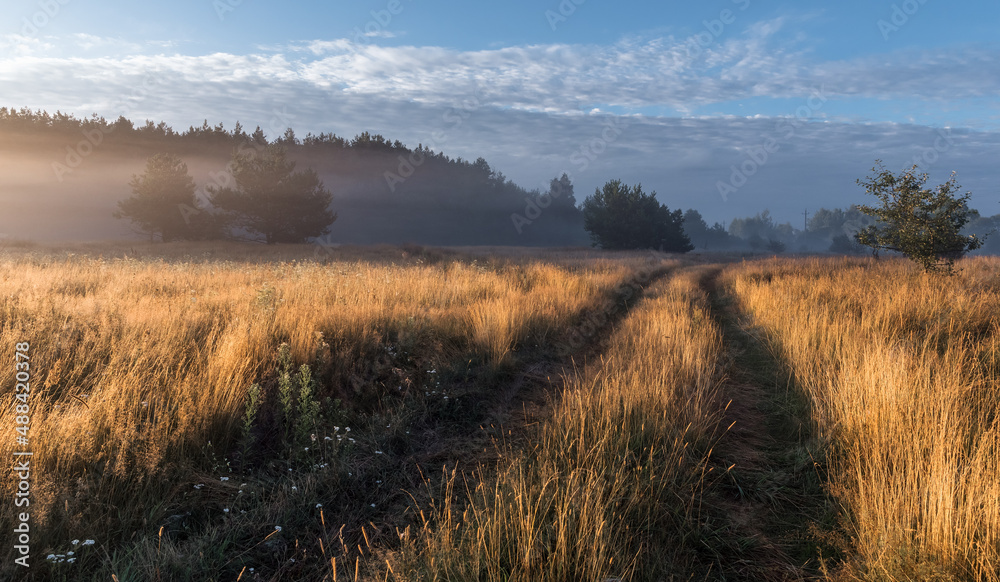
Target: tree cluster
[622, 217]
[392, 193]
[424, 196]
[267, 199]
[704, 237]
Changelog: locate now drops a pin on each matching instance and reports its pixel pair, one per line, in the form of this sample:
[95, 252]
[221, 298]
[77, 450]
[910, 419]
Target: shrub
[925, 225]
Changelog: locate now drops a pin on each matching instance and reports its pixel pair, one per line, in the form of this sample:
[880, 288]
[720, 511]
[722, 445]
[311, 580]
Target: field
[405, 413]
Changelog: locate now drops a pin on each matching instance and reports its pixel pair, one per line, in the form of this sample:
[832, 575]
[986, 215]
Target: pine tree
[620, 217]
[271, 199]
[162, 199]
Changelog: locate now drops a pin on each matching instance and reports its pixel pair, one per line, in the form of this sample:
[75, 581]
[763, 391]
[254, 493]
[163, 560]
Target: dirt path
[758, 515]
[505, 415]
[528, 399]
[764, 507]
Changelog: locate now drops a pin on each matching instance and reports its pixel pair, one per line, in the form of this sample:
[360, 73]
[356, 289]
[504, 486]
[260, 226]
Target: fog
[56, 189]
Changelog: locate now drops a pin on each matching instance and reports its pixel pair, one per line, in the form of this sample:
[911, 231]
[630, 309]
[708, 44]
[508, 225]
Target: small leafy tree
[925, 225]
[162, 199]
[620, 217]
[271, 199]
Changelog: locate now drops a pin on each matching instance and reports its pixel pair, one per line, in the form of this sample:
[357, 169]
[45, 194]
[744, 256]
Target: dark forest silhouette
[383, 191]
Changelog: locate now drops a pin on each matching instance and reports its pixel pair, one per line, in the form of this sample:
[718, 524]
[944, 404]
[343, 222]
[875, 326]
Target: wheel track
[769, 492]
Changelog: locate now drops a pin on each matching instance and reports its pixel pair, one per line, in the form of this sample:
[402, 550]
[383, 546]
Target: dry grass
[902, 372]
[142, 359]
[140, 367]
[612, 488]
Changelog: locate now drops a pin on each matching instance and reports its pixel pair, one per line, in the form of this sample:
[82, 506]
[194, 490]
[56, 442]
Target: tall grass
[902, 371]
[140, 368]
[612, 488]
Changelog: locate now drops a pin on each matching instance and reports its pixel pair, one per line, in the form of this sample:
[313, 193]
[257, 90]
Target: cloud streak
[534, 103]
[631, 74]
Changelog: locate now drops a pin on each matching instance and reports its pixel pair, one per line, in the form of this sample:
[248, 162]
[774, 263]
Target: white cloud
[633, 73]
[381, 34]
[90, 41]
[18, 45]
[535, 111]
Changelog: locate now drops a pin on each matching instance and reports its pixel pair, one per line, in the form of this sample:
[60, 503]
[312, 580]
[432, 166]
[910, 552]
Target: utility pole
[805, 223]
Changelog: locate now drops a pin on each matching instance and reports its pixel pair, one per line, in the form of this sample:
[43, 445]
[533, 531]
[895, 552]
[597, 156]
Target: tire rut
[769, 493]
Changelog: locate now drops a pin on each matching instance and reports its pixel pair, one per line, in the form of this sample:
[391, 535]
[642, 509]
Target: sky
[725, 106]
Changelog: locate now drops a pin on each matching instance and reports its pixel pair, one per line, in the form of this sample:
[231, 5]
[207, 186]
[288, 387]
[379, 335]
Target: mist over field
[63, 179]
[53, 193]
[559, 291]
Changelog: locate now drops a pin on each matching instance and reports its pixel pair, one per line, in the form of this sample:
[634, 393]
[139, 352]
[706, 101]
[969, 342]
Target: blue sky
[727, 106]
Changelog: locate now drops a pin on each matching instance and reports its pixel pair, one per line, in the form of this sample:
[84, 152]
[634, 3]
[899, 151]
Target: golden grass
[142, 357]
[611, 489]
[902, 371]
[138, 364]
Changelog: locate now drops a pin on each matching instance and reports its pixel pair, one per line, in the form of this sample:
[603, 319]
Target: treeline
[827, 230]
[383, 191]
[386, 192]
[160, 134]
